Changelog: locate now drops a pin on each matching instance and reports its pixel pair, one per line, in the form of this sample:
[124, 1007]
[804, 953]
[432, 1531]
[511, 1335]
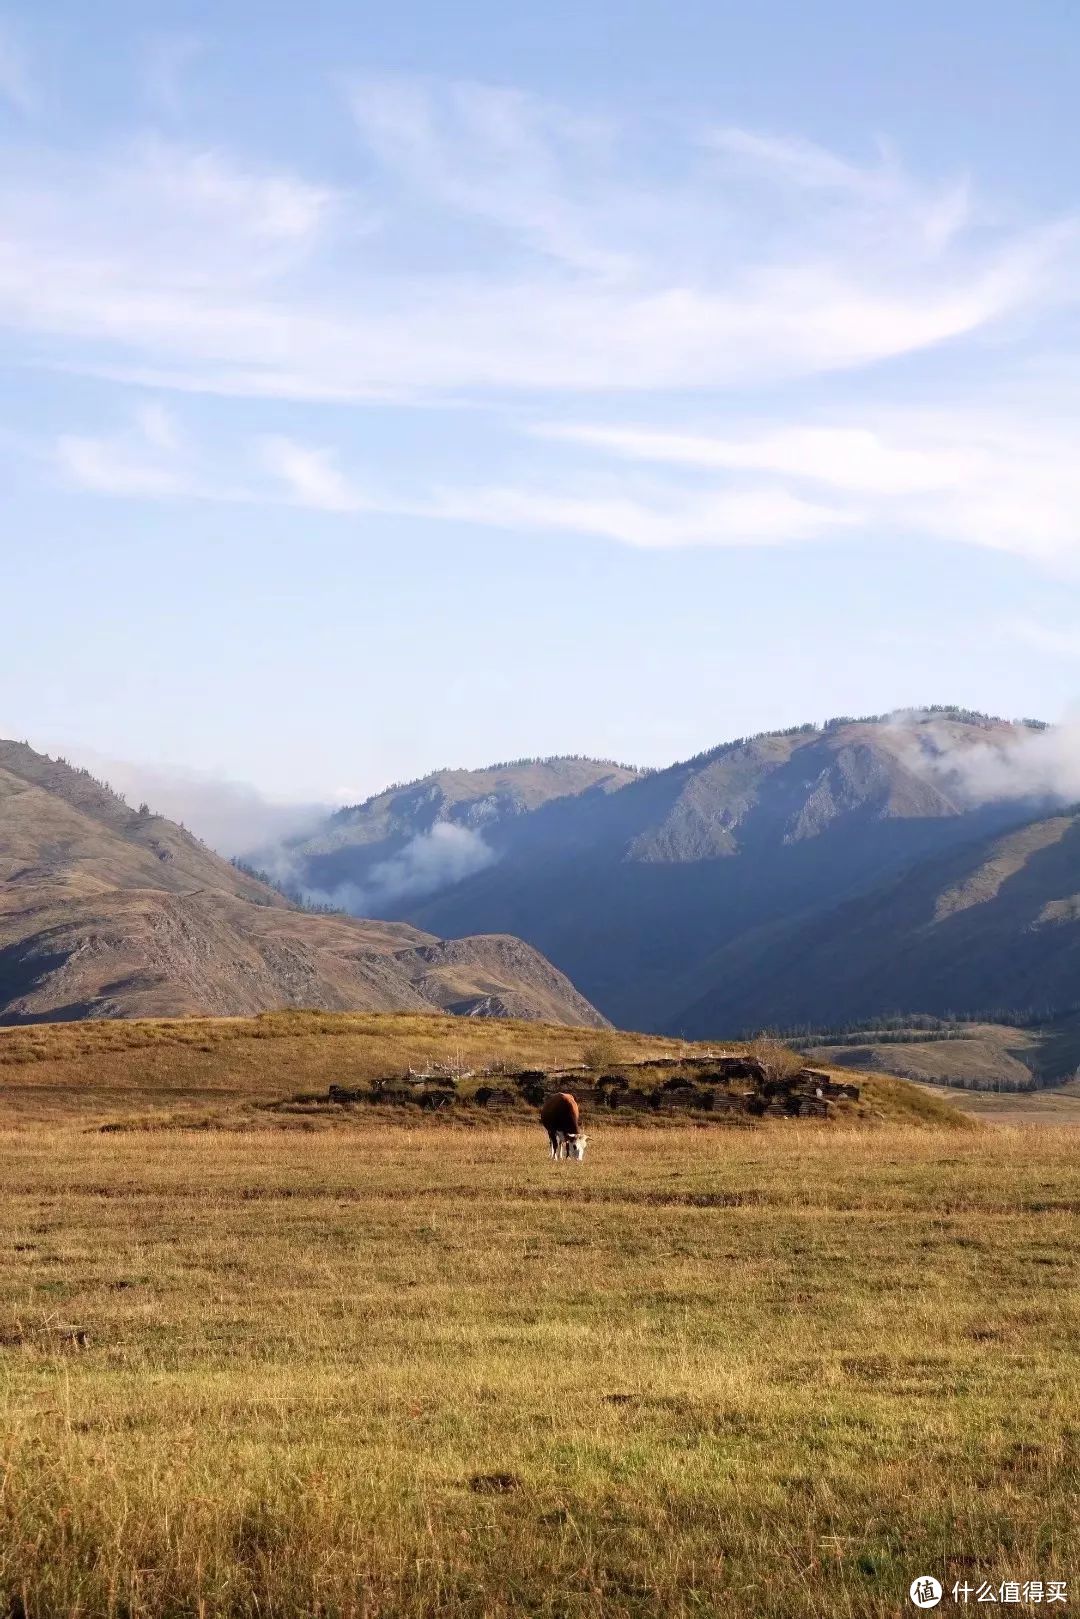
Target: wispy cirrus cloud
[969, 479]
[494, 244]
[804, 164]
[574, 263]
[851, 459]
[525, 166]
[152, 461]
[882, 200]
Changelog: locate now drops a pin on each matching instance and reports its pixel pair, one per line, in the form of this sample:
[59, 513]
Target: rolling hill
[277, 1069]
[109, 911]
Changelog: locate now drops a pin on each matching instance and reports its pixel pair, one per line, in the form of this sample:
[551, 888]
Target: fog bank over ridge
[1040, 763]
[429, 862]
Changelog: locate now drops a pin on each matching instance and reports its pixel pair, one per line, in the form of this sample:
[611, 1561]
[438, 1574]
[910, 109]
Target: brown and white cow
[561, 1118]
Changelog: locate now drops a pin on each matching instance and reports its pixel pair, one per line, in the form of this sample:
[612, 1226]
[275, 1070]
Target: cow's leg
[553, 1139]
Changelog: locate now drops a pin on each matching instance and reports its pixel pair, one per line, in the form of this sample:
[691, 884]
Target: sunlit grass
[765, 1373]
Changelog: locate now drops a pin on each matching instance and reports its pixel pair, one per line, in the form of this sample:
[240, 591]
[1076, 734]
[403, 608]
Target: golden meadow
[255, 1364]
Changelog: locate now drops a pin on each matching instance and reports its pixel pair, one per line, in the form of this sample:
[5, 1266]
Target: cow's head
[575, 1146]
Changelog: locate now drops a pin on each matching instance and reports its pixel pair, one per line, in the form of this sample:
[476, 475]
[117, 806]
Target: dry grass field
[1057, 1104]
[394, 1368]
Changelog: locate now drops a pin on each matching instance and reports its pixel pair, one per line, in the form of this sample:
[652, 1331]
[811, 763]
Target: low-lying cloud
[430, 861]
[1041, 767]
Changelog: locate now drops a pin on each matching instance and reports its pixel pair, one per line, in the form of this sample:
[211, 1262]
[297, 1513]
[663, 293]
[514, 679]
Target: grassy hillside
[66, 836]
[109, 911]
[978, 1056]
[427, 1374]
[1060, 1105]
[996, 923]
[225, 1069]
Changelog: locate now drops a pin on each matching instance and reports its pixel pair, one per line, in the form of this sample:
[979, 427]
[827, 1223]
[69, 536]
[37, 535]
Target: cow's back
[561, 1112]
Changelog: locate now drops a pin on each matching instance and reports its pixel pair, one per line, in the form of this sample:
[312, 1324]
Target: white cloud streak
[852, 459]
[966, 476]
[667, 520]
[309, 476]
[151, 461]
[967, 479]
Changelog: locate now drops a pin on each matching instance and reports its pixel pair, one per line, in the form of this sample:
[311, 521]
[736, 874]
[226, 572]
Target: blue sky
[391, 387]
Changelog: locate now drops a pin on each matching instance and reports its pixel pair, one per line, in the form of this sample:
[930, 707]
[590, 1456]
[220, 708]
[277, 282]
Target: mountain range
[813, 877]
[110, 911]
[804, 877]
